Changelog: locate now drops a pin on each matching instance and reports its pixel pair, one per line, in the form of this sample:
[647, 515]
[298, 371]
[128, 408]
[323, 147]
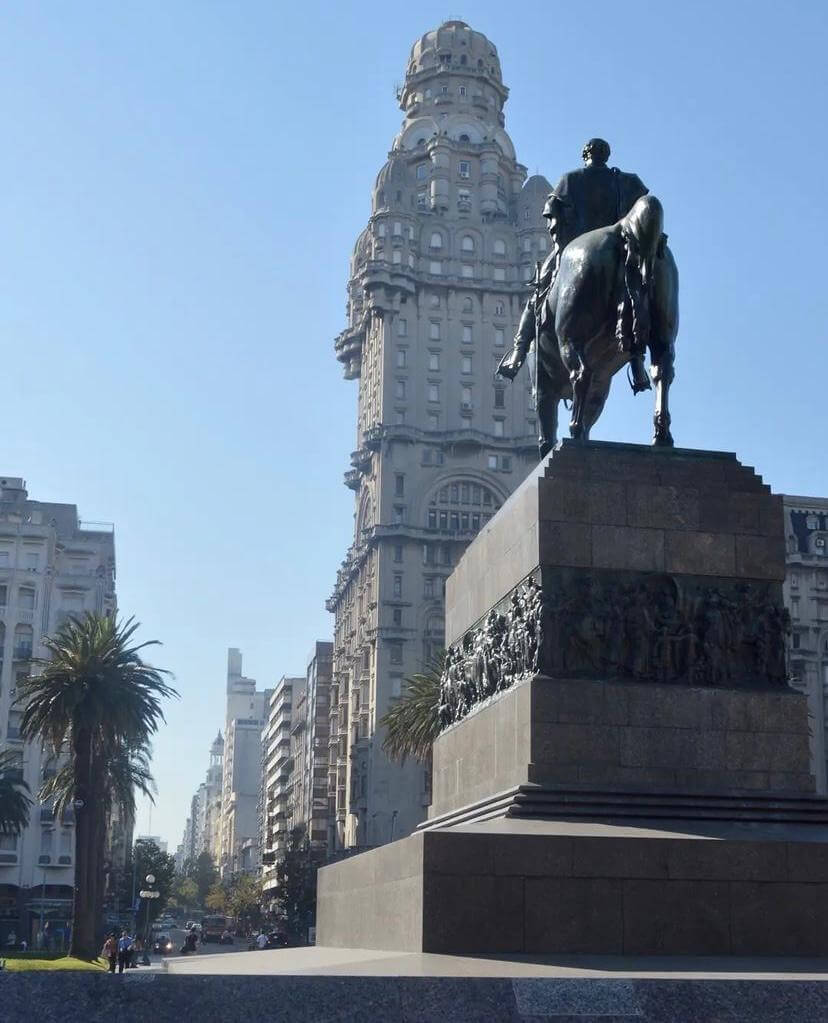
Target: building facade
[806, 597]
[308, 803]
[52, 565]
[241, 769]
[277, 763]
[437, 285]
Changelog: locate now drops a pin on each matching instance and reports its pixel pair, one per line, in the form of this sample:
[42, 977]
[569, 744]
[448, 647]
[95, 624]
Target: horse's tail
[645, 224]
[641, 232]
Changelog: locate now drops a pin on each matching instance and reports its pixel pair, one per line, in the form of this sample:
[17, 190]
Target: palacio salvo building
[438, 280]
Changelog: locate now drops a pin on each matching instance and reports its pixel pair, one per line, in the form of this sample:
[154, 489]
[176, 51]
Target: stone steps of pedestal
[532, 802]
[576, 804]
[605, 460]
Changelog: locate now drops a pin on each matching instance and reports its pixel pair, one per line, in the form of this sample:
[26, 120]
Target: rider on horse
[583, 200]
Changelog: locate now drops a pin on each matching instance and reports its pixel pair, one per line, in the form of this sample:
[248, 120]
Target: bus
[212, 927]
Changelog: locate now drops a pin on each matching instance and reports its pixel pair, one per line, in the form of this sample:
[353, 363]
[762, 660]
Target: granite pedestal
[633, 779]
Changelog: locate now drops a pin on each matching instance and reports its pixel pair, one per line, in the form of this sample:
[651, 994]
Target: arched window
[498, 308]
[467, 304]
[434, 637]
[461, 507]
[499, 247]
[468, 243]
[464, 138]
[436, 240]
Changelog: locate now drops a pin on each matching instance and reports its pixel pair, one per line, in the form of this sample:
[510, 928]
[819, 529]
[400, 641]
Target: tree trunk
[83, 924]
[101, 811]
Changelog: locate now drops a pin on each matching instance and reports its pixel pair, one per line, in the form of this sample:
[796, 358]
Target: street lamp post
[148, 894]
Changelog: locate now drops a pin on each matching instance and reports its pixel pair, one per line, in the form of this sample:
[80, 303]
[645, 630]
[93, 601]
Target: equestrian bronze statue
[606, 295]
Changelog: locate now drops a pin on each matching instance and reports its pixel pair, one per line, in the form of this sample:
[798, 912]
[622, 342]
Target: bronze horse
[616, 291]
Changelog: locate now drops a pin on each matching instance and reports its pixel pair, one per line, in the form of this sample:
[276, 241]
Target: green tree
[147, 858]
[92, 696]
[150, 859]
[184, 892]
[203, 872]
[14, 801]
[295, 892]
[245, 901]
[127, 770]
[217, 898]
[413, 722]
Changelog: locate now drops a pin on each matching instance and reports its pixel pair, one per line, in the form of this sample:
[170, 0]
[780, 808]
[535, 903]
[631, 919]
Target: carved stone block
[615, 561]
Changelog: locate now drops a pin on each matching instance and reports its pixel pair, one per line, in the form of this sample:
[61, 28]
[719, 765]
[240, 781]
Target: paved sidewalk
[360, 962]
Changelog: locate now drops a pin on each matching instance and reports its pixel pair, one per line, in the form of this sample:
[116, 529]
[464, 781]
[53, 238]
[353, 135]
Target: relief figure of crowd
[653, 629]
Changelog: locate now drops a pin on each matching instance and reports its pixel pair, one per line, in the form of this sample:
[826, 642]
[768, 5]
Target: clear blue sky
[180, 188]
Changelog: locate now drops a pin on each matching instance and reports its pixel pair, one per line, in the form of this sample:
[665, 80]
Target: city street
[204, 948]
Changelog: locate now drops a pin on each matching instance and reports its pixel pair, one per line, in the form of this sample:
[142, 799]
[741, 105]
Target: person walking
[110, 952]
[124, 944]
[137, 950]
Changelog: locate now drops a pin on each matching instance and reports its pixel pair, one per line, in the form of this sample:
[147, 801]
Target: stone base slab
[550, 888]
[615, 736]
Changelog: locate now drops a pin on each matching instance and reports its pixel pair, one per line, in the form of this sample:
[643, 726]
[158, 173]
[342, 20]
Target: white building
[241, 770]
[277, 759]
[51, 565]
[438, 282]
[155, 839]
[202, 831]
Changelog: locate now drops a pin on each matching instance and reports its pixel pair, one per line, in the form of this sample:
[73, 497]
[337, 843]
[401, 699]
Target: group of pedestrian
[122, 951]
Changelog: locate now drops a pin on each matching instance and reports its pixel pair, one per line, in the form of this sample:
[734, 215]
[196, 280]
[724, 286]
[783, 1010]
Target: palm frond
[14, 801]
[94, 676]
[413, 723]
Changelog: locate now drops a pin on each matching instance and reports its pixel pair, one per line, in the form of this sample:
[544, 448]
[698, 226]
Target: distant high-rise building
[155, 839]
[438, 281]
[203, 827]
[806, 597]
[52, 565]
[241, 769]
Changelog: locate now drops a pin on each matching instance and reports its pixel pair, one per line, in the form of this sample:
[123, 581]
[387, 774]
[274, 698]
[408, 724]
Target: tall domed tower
[437, 285]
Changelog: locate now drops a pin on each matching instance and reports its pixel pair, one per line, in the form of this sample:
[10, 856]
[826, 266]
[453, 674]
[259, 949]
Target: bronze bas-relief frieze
[643, 628]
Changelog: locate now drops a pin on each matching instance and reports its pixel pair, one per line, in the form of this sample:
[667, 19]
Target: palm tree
[413, 723]
[128, 771]
[94, 697]
[14, 803]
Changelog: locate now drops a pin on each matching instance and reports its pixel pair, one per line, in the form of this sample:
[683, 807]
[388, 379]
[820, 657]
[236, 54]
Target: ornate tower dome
[452, 71]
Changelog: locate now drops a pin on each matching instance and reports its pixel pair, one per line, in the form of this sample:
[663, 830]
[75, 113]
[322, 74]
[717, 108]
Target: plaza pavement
[360, 962]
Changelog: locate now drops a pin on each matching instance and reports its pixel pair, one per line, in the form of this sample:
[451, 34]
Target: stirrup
[637, 387]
